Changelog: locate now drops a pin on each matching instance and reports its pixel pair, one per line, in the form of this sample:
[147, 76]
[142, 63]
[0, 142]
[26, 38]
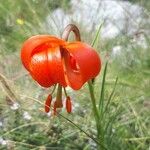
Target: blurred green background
[123, 40]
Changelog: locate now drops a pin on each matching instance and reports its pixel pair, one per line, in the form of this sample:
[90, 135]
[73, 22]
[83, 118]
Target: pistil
[58, 103]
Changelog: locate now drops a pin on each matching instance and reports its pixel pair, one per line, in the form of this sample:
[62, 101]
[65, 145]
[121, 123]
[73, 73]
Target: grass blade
[110, 97]
[97, 35]
[101, 100]
[96, 39]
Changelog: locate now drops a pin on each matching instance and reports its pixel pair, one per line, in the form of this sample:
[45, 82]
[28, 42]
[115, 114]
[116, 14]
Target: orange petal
[81, 63]
[48, 103]
[56, 66]
[41, 57]
[30, 46]
[39, 69]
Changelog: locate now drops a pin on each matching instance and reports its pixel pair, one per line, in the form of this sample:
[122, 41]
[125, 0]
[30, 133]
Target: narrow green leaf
[97, 35]
[96, 40]
[112, 119]
[101, 100]
[110, 97]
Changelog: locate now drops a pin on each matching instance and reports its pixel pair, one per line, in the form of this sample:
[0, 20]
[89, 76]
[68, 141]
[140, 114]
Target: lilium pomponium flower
[51, 61]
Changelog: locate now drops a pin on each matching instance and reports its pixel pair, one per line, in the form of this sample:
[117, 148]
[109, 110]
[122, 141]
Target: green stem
[95, 111]
[97, 117]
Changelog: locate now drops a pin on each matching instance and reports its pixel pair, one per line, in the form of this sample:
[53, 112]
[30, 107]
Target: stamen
[68, 105]
[53, 89]
[65, 92]
[49, 100]
[48, 103]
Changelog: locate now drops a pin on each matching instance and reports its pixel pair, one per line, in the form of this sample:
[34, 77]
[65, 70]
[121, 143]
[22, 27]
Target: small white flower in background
[2, 141]
[49, 114]
[1, 123]
[84, 111]
[75, 106]
[140, 40]
[116, 50]
[26, 116]
[15, 106]
[113, 130]
[93, 144]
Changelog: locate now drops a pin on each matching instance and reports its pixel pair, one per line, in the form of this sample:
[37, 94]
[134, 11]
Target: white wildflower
[1, 123]
[116, 50]
[113, 130]
[26, 116]
[2, 141]
[76, 105]
[15, 106]
[49, 114]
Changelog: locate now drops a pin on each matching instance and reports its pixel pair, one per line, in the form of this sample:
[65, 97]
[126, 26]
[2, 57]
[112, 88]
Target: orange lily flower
[52, 61]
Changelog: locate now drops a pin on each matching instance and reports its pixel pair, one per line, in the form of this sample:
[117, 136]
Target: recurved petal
[31, 46]
[42, 58]
[81, 63]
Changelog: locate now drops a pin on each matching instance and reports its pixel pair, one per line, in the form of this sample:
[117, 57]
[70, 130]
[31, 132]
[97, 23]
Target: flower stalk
[93, 100]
